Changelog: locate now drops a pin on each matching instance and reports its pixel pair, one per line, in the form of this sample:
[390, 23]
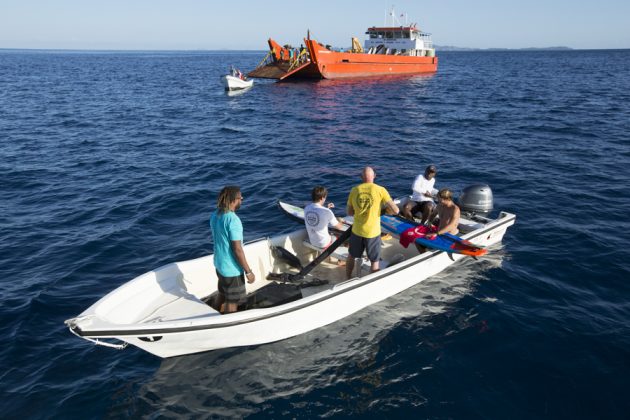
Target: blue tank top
[226, 227]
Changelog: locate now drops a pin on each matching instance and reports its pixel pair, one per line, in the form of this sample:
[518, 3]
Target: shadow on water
[245, 381]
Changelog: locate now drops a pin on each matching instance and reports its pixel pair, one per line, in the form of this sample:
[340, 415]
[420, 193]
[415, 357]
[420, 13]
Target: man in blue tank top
[229, 258]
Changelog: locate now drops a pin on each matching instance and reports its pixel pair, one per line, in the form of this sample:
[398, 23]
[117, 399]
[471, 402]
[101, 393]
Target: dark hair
[318, 193]
[227, 196]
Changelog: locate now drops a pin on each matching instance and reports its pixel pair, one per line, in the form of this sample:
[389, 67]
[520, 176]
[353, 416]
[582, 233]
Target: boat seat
[465, 226]
[176, 304]
[340, 253]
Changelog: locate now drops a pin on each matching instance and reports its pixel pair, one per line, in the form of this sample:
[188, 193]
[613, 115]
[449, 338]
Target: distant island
[453, 48]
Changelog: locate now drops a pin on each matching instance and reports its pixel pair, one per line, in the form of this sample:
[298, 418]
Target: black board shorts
[419, 206]
[232, 288]
[358, 244]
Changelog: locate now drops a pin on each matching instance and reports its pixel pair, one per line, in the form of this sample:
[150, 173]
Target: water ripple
[110, 165]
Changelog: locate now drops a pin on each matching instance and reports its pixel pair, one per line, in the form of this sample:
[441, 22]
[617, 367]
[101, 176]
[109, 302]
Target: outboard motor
[476, 200]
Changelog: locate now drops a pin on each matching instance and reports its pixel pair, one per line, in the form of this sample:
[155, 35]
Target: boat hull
[235, 83]
[329, 308]
[144, 312]
[342, 65]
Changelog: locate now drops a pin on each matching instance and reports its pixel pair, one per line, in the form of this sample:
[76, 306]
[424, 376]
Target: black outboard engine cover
[476, 200]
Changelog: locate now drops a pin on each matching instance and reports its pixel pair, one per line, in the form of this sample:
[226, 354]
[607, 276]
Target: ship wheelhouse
[401, 40]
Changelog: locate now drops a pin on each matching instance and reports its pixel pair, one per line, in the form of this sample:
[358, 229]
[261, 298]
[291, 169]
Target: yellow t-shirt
[366, 200]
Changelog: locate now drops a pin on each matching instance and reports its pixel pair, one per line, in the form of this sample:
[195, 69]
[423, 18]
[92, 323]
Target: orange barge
[386, 51]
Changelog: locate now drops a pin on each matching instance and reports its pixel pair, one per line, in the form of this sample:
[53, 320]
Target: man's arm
[433, 215]
[393, 207]
[339, 225]
[334, 222]
[237, 248]
[417, 186]
[350, 209]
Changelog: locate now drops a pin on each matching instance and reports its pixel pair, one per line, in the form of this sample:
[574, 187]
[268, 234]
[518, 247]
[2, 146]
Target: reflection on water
[238, 381]
[394, 79]
[238, 92]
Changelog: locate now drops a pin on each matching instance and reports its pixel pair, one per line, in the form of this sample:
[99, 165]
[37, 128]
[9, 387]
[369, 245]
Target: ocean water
[110, 163]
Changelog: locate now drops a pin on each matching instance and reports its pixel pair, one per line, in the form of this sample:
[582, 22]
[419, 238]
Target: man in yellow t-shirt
[364, 203]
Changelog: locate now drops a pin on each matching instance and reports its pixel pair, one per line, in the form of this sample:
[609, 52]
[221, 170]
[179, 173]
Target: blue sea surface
[110, 164]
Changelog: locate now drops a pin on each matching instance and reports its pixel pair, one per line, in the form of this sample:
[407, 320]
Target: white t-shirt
[317, 219]
[422, 185]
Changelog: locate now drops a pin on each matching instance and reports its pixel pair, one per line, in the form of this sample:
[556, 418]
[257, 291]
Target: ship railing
[297, 61]
[267, 60]
[426, 38]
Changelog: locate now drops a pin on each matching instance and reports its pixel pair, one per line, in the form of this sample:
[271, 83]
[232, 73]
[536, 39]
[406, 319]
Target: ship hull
[341, 65]
[326, 64]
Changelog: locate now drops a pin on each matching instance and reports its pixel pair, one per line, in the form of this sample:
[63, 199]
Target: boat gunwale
[507, 218]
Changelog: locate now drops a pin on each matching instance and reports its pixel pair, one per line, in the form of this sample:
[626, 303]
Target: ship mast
[394, 18]
[391, 14]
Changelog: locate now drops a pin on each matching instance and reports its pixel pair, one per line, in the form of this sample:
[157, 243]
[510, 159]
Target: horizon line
[447, 48]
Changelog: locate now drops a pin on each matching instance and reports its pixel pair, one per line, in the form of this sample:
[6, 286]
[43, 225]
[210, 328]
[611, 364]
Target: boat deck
[324, 276]
[264, 293]
[270, 71]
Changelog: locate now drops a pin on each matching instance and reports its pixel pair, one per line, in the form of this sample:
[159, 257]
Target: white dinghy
[236, 80]
[165, 312]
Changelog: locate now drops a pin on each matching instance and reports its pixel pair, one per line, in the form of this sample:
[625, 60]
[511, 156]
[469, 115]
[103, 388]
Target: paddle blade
[286, 256]
[469, 249]
[281, 277]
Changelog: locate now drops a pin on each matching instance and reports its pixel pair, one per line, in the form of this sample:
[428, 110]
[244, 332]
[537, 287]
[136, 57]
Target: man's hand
[389, 211]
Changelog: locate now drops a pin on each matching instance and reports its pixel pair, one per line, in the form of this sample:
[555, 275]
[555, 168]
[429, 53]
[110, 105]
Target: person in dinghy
[365, 202]
[318, 218]
[422, 197]
[237, 73]
[448, 213]
[229, 257]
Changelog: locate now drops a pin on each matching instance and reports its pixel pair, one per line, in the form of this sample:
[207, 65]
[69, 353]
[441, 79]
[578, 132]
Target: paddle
[286, 256]
[303, 272]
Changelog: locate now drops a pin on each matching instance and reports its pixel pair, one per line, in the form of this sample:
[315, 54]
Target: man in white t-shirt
[422, 197]
[318, 218]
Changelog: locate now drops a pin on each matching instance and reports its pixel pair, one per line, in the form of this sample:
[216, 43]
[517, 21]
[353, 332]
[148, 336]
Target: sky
[247, 24]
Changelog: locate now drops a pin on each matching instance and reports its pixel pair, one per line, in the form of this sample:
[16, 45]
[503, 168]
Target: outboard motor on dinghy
[476, 200]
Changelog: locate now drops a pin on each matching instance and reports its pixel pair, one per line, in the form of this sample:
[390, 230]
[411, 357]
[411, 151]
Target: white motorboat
[236, 83]
[165, 311]
[236, 80]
